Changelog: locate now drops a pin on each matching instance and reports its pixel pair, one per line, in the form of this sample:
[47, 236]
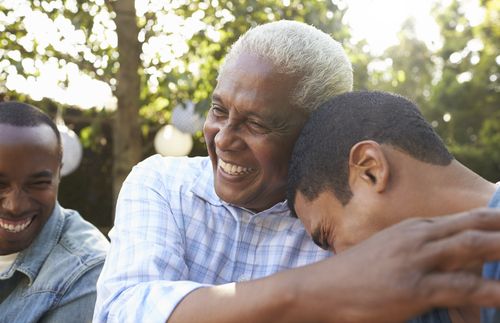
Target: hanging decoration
[186, 119]
[170, 141]
[72, 151]
[176, 138]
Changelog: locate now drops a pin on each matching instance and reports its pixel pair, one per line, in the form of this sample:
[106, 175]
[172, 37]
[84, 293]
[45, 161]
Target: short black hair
[24, 115]
[320, 156]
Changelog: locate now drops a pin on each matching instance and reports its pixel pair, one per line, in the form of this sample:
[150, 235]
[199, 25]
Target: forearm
[339, 289]
[320, 292]
[276, 298]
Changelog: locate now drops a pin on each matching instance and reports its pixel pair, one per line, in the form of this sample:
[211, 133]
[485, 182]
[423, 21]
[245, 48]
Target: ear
[368, 164]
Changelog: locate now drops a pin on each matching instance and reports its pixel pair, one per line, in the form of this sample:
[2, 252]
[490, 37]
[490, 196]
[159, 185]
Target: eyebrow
[38, 175]
[43, 173]
[218, 98]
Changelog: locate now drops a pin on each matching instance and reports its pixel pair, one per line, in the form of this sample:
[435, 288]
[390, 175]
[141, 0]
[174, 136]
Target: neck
[452, 189]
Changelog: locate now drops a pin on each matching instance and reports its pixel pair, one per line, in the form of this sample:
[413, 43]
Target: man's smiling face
[29, 179]
[250, 131]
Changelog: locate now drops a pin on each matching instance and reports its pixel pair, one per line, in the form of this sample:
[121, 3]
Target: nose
[229, 137]
[15, 202]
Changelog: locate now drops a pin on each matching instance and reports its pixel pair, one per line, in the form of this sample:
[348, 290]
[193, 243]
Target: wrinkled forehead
[251, 85]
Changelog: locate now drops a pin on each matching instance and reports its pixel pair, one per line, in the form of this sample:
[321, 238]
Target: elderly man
[50, 257]
[378, 163]
[212, 239]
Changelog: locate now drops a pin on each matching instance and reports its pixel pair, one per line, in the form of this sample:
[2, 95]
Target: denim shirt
[53, 280]
[491, 270]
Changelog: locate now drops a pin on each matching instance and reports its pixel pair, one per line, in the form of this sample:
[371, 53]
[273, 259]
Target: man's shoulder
[171, 173]
[171, 166]
[80, 249]
[82, 240]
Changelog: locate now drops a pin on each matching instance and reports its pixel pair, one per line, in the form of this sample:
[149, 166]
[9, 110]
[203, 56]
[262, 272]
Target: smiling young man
[367, 160]
[211, 239]
[50, 257]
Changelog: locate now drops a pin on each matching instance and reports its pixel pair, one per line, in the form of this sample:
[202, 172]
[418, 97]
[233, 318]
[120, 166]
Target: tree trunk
[127, 141]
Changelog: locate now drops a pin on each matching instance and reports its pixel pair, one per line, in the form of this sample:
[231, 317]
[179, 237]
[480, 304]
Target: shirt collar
[30, 260]
[495, 199]
[203, 187]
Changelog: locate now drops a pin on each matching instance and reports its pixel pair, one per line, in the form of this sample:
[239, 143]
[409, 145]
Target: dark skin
[428, 265]
[389, 186]
[339, 289]
[252, 125]
[30, 161]
[427, 268]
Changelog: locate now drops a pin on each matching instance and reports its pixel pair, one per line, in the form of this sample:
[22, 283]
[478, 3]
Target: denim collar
[203, 187]
[30, 260]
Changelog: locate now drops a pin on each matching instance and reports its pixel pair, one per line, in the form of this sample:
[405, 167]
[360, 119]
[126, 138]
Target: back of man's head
[24, 115]
[316, 59]
[320, 159]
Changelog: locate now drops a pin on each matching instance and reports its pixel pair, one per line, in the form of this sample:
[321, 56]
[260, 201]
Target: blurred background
[127, 79]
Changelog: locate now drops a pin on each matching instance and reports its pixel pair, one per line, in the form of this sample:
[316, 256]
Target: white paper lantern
[170, 141]
[72, 150]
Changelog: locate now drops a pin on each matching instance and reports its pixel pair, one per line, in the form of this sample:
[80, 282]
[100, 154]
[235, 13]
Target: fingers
[454, 289]
[484, 219]
[463, 250]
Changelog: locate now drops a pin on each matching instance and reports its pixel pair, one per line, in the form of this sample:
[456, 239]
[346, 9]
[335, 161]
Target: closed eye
[218, 111]
[40, 184]
[258, 127]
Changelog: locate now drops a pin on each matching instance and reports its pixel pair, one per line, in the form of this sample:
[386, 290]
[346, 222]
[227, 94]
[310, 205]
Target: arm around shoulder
[376, 281]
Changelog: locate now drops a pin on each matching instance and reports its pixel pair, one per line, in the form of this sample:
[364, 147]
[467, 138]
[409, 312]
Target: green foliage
[411, 68]
[184, 42]
[469, 88]
[194, 73]
[457, 87]
[179, 63]
[489, 137]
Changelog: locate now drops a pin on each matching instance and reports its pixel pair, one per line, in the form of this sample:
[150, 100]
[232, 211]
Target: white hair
[298, 49]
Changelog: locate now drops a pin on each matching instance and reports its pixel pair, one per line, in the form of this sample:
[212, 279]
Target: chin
[226, 195]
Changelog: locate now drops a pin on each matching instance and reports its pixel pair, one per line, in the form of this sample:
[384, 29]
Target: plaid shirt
[173, 234]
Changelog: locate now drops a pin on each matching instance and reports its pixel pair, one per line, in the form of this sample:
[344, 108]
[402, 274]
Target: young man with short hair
[50, 258]
[367, 160]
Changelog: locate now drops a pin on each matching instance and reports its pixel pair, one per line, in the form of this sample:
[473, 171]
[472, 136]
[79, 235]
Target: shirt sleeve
[434, 316]
[145, 275]
[491, 270]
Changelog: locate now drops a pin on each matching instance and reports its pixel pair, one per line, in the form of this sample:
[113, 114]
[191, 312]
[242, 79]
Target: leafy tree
[153, 54]
[467, 94]
[409, 67]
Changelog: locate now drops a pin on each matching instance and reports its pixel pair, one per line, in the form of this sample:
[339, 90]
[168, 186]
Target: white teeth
[15, 228]
[232, 169]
